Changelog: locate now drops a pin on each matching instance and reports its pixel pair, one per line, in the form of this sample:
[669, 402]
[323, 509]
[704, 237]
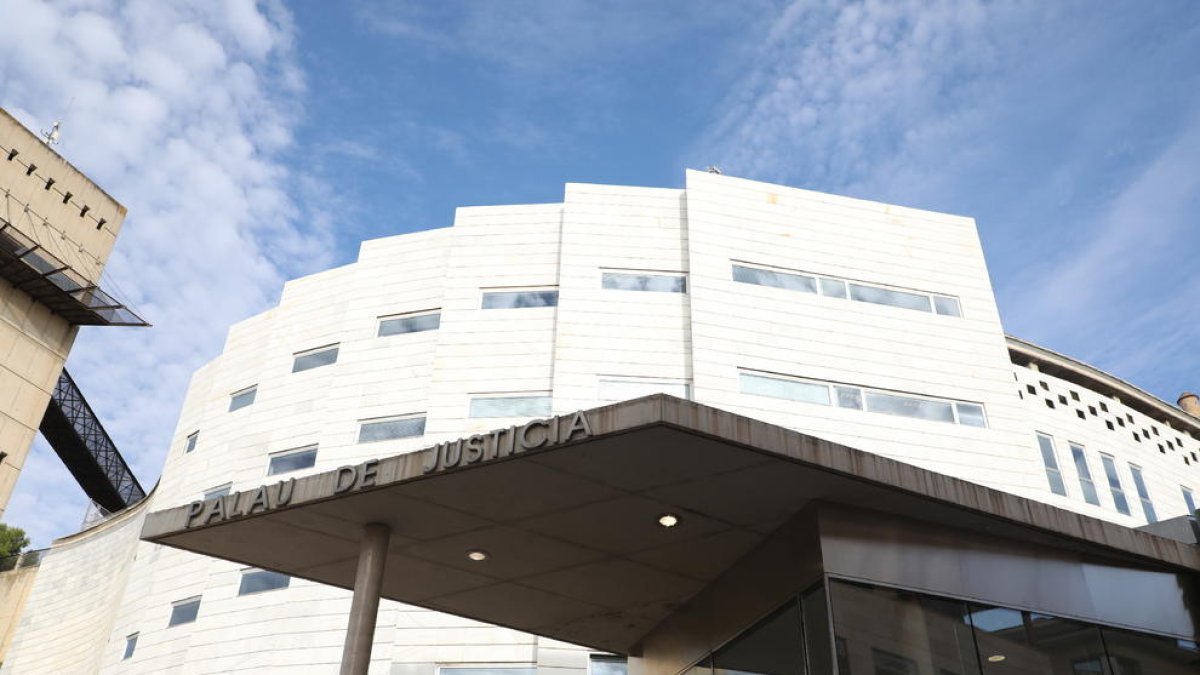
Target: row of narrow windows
[1112, 478]
[539, 404]
[186, 611]
[856, 397]
[631, 281]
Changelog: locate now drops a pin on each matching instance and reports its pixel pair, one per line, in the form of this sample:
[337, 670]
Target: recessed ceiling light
[668, 520]
[478, 555]
[996, 658]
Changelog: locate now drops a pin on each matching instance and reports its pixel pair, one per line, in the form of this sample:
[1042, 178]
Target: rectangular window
[219, 491]
[761, 277]
[833, 288]
[644, 281]
[1085, 475]
[970, 414]
[1050, 461]
[510, 406]
[412, 323]
[292, 460]
[184, 611]
[386, 429]
[624, 389]
[130, 645]
[849, 397]
[191, 441]
[488, 670]
[858, 398]
[887, 296]
[258, 581]
[607, 664]
[908, 406]
[946, 305]
[792, 390]
[1189, 500]
[1114, 484]
[243, 398]
[1143, 493]
[314, 358]
[520, 299]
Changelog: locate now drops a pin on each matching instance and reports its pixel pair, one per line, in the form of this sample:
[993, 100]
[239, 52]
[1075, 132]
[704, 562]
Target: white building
[870, 325]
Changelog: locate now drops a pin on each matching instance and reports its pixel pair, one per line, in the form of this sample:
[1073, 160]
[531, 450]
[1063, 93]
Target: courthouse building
[729, 427]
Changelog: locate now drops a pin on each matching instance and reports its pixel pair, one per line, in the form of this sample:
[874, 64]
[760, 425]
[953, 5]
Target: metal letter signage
[498, 444]
[219, 509]
[506, 442]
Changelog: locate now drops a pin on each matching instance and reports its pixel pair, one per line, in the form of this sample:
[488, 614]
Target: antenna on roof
[713, 169]
[51, 137]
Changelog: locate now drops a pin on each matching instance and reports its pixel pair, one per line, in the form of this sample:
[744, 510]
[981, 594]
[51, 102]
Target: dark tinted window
[409, 324]
[891, 632]
[773, 647]
[257, 581]
[184, 612]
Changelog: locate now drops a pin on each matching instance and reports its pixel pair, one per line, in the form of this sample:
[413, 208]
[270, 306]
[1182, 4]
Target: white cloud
[180, 112]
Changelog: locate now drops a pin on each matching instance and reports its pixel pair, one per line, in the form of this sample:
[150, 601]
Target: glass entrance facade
[872, 630]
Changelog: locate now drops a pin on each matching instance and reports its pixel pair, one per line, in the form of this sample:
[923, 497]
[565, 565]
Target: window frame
[1189, 500]
[822, 285]
[195, 599]
[602, 380]
[1113, 477]
[497, 396]
[602, 656]
[836, 390]
[407, 316]
[607, 272]
[1054, 471]
[189, 443]
[271, 457]
[131, 641]
[517, 290]
[324, 349]
[248, 571]
[1143, 493]
[1083, 470]
[252, 390]
[363, 423]
[208, 494]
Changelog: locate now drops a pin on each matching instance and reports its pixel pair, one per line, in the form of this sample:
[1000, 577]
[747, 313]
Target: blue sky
[265, 140]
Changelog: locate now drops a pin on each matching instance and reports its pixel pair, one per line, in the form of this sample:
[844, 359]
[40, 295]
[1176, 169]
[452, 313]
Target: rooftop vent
[1190, 403]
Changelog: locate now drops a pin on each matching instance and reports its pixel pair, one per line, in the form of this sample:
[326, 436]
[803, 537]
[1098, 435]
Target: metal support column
[364, 608]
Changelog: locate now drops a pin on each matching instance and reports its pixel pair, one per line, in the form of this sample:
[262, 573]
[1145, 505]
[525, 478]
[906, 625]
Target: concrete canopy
[575, 548]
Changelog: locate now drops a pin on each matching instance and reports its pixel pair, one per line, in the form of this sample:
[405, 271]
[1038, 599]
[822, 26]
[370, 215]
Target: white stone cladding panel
[1165, 471]
[606, 332]
[496, 350]
[75, 600]
[737, 325]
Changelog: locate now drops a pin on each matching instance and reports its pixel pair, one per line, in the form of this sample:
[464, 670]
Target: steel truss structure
[85, 448]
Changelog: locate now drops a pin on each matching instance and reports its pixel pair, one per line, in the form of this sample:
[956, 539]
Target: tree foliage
[12, 540]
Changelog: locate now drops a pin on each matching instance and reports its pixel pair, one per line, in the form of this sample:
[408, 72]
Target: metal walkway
[85, 448]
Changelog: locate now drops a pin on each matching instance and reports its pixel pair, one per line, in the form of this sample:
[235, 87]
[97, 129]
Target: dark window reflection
[890, 632]
[773, 647]
[1012, 641]
[817, 634]
[1138, 654]
[705, 667]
